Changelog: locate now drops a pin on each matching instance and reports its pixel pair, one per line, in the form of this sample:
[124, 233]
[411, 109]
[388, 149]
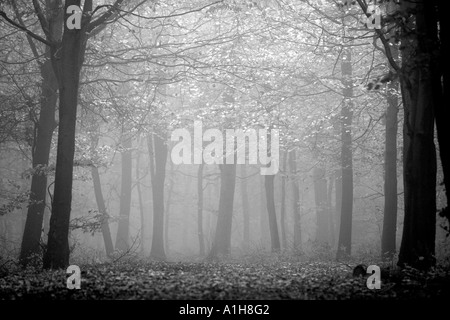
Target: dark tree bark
[388, 246]
[200, 234]
[245, 207]
[441, 94]
[388, 238]
[320, 196]
[345, 234]
[67, 58]
[158, 178]
[102, 210]
[41, 148]
[41, 152]
[419, 229]
[222, 239]
[125, 195]
[295, 200]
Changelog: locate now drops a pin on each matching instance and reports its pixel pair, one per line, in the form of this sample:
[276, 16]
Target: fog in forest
[294, 138]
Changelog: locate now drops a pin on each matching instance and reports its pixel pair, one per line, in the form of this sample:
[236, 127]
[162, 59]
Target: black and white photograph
[224, 158]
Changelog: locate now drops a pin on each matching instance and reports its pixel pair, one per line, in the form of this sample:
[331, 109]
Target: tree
[201, 239]
[345, 233]
[67, 58]
[388, 246]
[245, 207]
[167, 208]
[139, 192]
[422, 92]
[222, 239]
[283, 200]
[388, 242]
[125, 194]
[418, 240]
[338, 199]
[106, 232]
[158, 160]
[42, 144]
[320, 195]
[270, 198]
[295, 200]
[273, 227]
[441, 90]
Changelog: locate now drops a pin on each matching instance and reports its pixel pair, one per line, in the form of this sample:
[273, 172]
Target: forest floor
[250, 278]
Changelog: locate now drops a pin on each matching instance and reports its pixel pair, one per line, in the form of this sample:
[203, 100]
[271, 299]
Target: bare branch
[175, 14]
[29, 39]
[115, 9]
[42, 20]
[104, 17]
[28, 32]
[383, 39]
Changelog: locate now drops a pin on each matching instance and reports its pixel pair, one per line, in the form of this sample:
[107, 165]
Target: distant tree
[168, 207]
[273, 225]
[201, 238]
[245, 207]
[222, 239]
[106, 232]
[158, 158]
[322, 213]
[295, 200]
[125, 194]
[283, 200]
[270, 198]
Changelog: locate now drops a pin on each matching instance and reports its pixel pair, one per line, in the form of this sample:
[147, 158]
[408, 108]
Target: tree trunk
[201, 239]
[125, 196]
[263, 221]
[345, 233]
[139, 192]
[419, 229]
[160, 158]
[102, 210]
[41, 152]
[338, 200]
[273, 227]
[67, 58]
[167, 210]
[441, 94]
[283, 201]
[295, 200]
[320, 196]
[388, 246]
[42, 144]
[222, 239]
[245, 208]
[46, 226]
[331, 225]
